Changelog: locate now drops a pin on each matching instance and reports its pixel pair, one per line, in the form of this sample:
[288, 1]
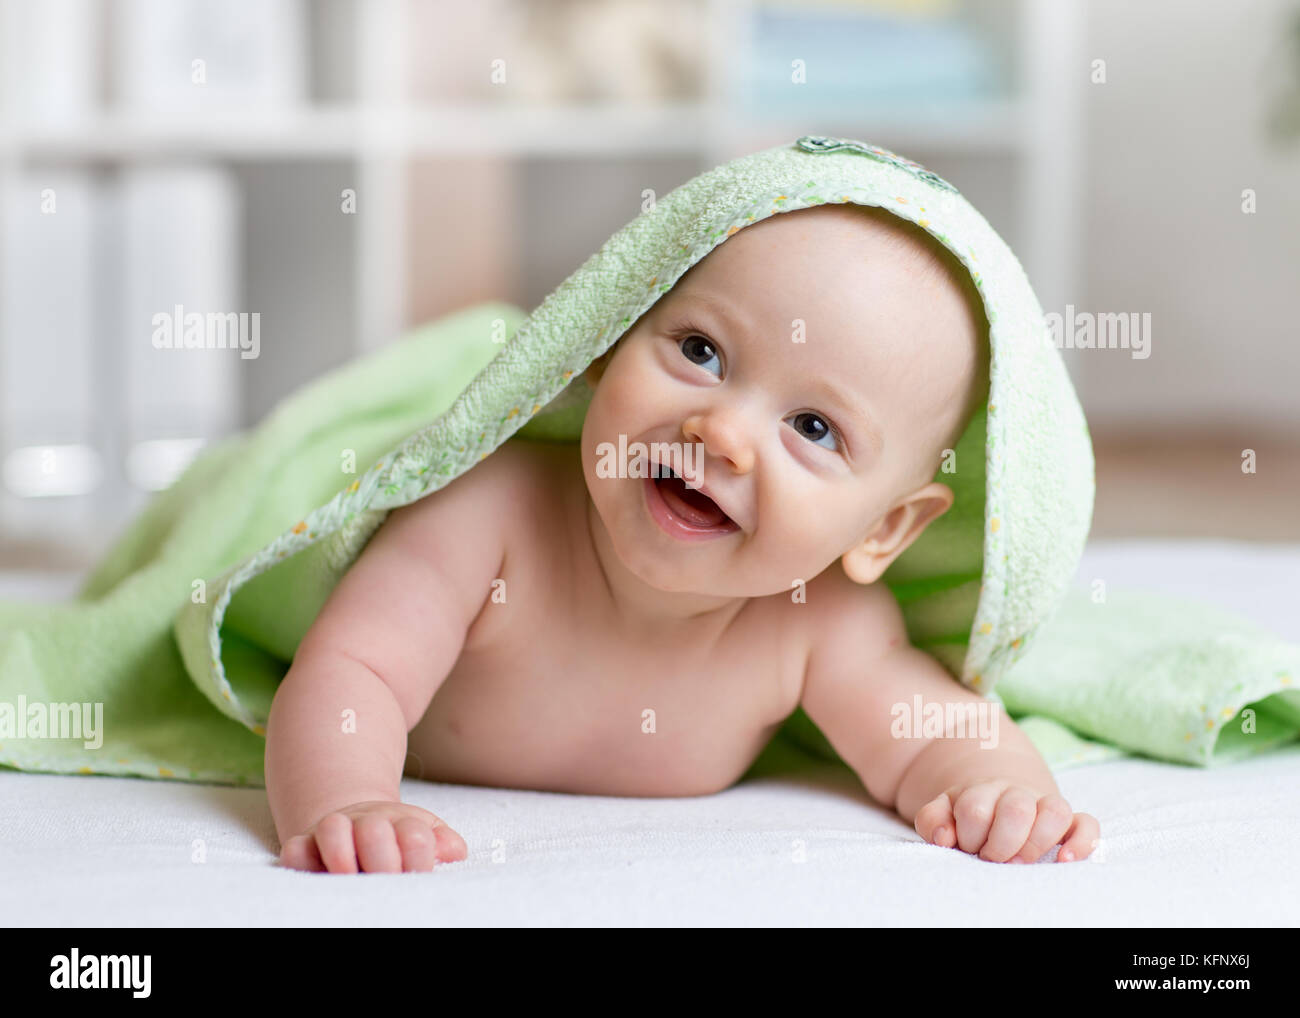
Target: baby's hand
[374, 837]
[1004, 822]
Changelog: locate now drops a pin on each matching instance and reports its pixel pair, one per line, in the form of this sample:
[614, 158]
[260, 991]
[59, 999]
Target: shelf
[518, 131]
[990, 127]
[321, 133]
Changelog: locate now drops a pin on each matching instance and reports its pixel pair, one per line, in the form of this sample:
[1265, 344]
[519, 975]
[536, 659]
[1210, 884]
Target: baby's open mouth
[691, 504]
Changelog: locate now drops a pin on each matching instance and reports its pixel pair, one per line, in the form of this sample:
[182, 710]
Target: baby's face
[822, 370]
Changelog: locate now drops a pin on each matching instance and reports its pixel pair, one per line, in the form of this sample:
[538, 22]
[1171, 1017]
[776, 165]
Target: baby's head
[824, 359]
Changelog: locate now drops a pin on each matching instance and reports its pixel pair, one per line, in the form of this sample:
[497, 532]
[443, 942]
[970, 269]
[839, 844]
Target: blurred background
[346, 170]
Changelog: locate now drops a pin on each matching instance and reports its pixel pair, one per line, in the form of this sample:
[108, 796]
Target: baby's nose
[724, 435]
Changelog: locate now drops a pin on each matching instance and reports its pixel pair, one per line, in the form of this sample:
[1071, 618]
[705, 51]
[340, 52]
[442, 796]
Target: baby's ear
[867, 560]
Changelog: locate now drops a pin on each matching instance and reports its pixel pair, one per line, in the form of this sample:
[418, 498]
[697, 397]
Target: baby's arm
[999, 801]
[384, 642]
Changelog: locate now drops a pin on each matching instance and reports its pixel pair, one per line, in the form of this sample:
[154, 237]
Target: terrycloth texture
[974, 589]
[1166, 677]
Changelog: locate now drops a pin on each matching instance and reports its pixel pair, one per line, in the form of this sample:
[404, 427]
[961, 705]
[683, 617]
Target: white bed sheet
[1180, 845]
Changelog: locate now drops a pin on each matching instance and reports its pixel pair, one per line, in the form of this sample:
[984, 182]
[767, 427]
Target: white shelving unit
[1025, 143]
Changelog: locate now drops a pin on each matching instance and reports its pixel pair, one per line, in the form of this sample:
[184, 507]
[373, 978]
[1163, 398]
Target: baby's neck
[645, 608]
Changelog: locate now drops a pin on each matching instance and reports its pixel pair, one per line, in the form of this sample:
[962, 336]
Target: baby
[539, 623]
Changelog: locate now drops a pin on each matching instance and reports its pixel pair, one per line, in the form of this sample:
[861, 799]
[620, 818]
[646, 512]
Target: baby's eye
[700, 351]
[815, 429]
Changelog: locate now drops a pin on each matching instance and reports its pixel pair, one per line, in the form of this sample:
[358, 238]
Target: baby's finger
[1080, 840]
[1053, 821]
[451, 846]
[334, 842]
[376, 842]
[934, 822]
[418, 844]
[1013, 818]
[300, 853]
[973, 811]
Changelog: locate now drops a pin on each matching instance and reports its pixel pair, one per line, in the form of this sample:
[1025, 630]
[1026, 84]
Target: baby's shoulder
[484, 508]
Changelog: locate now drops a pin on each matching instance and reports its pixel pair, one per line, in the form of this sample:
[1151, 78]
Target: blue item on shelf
[856, 58]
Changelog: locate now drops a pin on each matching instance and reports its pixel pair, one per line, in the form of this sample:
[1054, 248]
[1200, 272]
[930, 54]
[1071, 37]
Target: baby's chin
[695, 572]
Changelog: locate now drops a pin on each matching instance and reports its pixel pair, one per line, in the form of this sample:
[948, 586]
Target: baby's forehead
[861, 261]
[823, 240]
[848, 230]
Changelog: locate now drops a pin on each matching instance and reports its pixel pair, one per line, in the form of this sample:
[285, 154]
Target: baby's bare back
[553, 691]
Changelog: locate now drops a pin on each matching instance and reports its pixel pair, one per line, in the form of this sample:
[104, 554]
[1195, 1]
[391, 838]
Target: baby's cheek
[827, 515]
[626, 394]
[809, 538]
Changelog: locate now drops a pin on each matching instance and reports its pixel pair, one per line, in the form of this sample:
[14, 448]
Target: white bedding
[1180, 845]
